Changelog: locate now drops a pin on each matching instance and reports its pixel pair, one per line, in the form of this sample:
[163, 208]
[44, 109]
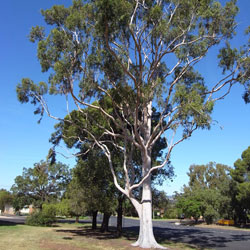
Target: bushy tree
[159, 200]
[129, 209]
[208, 193]
[241, 186]
[43, 183]
[44, 217]
[146, 53]
[98, 190]
[190, 205]
[63, 208]
[215, 179]
[70, 131]
[5, 198]
[75, 199]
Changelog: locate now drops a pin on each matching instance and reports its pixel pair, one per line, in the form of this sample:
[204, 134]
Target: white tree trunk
[146, 237]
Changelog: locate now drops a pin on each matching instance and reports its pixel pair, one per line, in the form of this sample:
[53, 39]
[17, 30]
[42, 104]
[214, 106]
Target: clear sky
[24, 142]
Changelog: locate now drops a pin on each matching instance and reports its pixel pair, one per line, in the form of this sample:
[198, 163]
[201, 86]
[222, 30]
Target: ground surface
[214, 237]
[70, 236]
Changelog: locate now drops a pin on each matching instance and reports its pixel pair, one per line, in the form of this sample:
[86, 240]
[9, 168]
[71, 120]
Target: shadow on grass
[190, 237]
[130, 234]
[67, 238]
[8, 223]
[88, 232]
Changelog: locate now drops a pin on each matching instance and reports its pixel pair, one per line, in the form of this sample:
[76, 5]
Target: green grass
[65, 236]
[20, 237]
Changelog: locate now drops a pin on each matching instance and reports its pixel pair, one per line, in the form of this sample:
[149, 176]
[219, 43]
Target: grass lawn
[67, 236]
[216, 226]
[223, 227]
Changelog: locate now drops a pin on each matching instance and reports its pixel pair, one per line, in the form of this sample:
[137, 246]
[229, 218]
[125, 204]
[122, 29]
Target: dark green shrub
[41, 218]
[210, 215]
[171, 213]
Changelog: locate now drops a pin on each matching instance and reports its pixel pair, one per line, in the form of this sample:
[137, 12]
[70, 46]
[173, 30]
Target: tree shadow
[11, 221]
[8, 223]
[67, 238]
[194, 238]
[72, 221]
[129, 233]
[88, 232]
[201, 238]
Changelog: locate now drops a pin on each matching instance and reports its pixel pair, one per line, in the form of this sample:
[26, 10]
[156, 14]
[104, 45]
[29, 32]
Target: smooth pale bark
[146, 237]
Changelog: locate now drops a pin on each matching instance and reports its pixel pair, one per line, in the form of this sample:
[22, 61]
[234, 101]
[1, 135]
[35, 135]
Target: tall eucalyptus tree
[140, 53]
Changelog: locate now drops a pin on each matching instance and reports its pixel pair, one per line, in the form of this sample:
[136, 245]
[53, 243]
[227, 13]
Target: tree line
[215, 191]
[54, 189]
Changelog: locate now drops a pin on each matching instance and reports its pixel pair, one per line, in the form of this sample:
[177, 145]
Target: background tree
[43, 217]
[146, 52]
[159, 201]
[74, 203]
[215, 177]
[44, 183]
[172, 212]
[90, 173]
[129, 210]
[70, 131]
[5, 198]
[189, 206]
[98, 190]
[208, 193]
[241, 187]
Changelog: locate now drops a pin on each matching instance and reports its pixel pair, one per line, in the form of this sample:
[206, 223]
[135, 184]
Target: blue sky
[24, 142]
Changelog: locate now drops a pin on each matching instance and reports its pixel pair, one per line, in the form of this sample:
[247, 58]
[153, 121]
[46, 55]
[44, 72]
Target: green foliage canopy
[241, 185]
[124, 47]
[97, 48]
[43, 183]
[5, 198]
[146, 52]
[208, 193]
